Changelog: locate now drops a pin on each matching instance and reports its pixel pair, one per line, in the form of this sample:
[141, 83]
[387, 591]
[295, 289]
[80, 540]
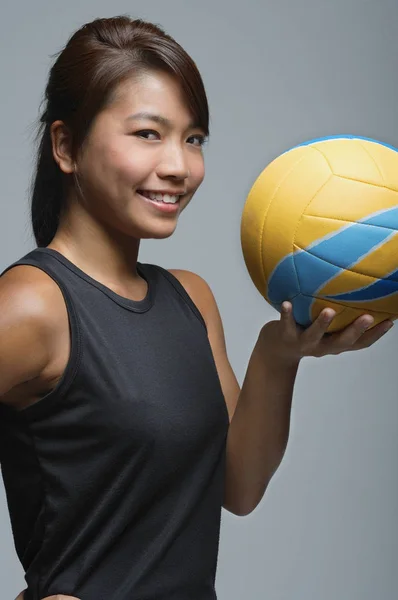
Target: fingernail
[328, 317]
[366, 325]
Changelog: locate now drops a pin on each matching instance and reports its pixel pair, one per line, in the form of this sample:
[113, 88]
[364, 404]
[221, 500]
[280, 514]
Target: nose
[174, 163]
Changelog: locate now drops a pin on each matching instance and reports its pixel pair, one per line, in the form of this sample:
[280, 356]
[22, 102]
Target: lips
[166, 197]
[161, 206]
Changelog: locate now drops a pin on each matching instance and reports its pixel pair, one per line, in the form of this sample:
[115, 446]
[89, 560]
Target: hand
[288, 341]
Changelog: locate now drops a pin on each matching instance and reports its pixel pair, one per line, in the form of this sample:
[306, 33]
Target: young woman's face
[142, 152]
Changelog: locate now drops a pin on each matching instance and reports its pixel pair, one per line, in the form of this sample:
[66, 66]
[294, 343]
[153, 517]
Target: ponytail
[47, 191]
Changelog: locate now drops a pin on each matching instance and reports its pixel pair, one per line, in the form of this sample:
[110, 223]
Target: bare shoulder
[28, 294]
[198, 289]
[31, 310]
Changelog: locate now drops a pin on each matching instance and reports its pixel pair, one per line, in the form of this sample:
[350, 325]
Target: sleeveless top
[114, 480]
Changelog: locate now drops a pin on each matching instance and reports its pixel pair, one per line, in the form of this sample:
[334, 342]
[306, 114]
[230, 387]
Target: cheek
[98, 165]
[197, 171]
[133, 166]
[112, 162]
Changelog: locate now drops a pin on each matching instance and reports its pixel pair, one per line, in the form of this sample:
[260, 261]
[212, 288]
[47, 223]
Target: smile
[160, 197]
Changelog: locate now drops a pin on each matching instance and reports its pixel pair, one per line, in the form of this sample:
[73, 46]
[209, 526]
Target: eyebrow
[147, 116]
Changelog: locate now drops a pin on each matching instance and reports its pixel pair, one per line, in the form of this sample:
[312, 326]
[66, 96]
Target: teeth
[166, 198]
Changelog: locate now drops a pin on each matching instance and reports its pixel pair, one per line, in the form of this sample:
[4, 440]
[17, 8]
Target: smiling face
[143, 159]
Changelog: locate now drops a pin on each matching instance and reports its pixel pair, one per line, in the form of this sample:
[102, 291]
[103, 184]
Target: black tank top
[114, 480]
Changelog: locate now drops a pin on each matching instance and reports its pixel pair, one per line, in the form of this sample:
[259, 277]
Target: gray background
[277, 73]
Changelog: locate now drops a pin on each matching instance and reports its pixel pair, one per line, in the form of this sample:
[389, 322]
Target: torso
[127, 410]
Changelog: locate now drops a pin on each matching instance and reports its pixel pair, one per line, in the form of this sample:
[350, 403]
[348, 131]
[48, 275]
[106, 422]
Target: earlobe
[61, 140]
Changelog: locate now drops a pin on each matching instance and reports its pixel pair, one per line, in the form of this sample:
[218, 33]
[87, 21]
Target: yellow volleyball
[319, 228]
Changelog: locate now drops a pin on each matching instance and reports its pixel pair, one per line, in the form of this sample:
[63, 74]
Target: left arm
[259, 430]
[259, 413]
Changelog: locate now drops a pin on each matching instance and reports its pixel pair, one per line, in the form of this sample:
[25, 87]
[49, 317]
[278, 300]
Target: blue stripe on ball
[342, 137]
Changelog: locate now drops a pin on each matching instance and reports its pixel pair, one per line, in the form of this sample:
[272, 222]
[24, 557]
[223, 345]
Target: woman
[124, 431]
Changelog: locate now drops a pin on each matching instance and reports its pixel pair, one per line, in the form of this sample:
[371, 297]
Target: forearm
[259, 429]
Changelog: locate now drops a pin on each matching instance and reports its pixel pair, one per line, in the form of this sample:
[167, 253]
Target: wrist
[273, 351]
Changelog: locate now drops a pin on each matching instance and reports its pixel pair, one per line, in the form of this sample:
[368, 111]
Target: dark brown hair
[97, 58]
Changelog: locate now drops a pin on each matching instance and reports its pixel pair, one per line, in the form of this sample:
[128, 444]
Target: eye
[200, 140]
[146, 133]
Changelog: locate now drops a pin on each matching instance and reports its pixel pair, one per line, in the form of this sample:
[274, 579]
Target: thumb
[287, 318]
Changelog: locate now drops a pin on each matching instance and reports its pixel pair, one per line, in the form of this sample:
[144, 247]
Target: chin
[155, 235]
[154, 231]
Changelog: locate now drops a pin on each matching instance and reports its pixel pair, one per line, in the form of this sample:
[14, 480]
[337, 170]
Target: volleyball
[319, 228]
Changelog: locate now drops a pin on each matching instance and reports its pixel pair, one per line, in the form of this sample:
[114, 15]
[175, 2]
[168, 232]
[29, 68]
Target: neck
[104, 254]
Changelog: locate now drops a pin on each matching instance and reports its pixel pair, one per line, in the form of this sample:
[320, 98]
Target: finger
[373, 335]
[287, 318]
[345, 339]
[351, 334]
[316, 331]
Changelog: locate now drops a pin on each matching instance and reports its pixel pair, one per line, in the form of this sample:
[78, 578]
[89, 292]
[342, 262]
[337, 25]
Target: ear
[61, 140]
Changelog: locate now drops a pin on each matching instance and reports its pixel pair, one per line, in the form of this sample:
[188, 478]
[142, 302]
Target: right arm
[27, 337]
